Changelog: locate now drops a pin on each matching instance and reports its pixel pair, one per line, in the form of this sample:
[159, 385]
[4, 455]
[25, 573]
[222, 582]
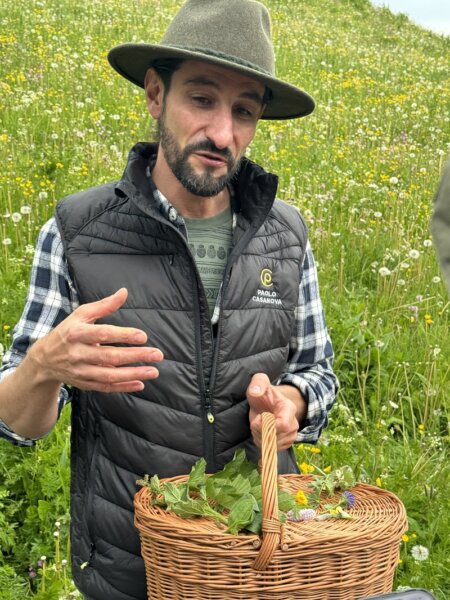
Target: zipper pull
[209, 414]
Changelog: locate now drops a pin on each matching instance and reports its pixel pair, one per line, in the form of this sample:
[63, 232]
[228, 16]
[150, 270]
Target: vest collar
[254, 189]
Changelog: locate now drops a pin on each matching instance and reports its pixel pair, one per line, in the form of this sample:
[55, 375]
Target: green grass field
[363, 169]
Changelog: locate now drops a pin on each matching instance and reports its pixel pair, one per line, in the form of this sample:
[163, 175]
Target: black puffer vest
[114, 236]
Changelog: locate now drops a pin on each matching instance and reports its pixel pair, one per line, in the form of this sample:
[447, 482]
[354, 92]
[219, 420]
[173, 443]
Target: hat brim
[133, 60]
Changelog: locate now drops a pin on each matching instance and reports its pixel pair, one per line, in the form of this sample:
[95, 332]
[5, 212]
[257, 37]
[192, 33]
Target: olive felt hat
[229, 33]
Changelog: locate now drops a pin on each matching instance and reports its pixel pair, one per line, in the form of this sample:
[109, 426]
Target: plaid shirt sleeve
[51, 298]
[311, 355]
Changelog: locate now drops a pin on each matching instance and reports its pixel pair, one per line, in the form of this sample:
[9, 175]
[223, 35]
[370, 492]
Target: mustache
[208, 146]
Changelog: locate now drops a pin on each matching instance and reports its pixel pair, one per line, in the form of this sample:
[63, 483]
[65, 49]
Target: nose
[220, 128]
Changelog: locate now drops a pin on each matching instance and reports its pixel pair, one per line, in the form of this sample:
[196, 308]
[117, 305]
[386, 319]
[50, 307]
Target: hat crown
[238, 30]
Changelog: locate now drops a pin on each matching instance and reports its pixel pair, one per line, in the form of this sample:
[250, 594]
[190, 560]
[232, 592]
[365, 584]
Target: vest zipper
[227, 275]
[208, 406]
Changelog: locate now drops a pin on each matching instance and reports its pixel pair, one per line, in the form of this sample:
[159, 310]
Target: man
[167, 356]
[440, 223]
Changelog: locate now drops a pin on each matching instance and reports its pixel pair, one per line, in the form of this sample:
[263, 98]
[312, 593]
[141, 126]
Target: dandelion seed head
[384, 272]
[414, 254]
[419, 552]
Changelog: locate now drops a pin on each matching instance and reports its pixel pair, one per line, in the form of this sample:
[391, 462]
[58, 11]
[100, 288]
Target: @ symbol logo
[266, 278]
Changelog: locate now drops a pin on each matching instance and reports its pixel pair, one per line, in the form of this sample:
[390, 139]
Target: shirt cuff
[316, 417]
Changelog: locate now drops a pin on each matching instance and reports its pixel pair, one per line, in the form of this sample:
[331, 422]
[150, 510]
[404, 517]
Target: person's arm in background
[440, 223]
[305, 392]
[57, 342]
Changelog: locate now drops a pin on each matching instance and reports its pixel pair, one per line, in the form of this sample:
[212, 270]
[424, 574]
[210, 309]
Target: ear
[154, 93]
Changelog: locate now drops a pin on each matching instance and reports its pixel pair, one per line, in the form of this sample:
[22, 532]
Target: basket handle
[271, 525]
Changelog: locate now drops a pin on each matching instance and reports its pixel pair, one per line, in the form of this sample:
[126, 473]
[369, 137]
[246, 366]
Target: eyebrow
[201, 80]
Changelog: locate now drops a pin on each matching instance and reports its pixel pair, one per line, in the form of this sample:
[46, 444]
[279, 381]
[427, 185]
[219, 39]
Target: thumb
[92, 311]
[259, 392]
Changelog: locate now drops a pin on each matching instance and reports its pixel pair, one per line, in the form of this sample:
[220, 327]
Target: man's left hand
[284, 401]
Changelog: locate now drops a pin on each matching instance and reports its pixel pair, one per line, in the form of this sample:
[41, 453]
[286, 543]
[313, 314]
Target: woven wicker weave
[336, 559]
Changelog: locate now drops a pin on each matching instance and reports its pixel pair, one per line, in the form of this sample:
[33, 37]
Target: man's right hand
[81, 353]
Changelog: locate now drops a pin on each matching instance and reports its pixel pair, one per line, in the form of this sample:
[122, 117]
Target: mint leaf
[197, 477]
[241, 514]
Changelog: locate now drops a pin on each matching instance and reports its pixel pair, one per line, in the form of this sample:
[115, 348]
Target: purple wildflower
[351, 500]
[31, 572]
[306, 514]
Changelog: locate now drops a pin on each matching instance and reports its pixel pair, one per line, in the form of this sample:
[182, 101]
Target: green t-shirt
[210, 242]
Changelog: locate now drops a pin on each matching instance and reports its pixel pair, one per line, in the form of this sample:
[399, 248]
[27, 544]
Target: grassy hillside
[363, 169]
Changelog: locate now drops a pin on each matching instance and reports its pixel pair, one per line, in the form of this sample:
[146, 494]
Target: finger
[258, 385]
[105, 334]
[260, 394]
[92, 311]
[126, 386]
[114, 356]
[108, 376]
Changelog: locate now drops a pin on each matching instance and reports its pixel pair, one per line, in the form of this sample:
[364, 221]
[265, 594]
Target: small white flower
[57, 524]
[384, 272]
[427, 243]
[7, 241]
[16, 217]
[25, 210]
[43, 558]
[56, 534]
[378, 215]
[393, 180]
[43, 196]
[379, 344]
[419, 552]
[414, 254]
[393, 404]
[401, 282]
[64, 562]
[54, 136]
[436, 279]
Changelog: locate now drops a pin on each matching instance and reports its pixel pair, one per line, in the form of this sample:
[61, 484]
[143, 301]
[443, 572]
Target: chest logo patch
[266, 278]
[267, 295]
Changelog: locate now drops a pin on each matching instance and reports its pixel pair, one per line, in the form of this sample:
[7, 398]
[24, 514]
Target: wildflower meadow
[363, 169]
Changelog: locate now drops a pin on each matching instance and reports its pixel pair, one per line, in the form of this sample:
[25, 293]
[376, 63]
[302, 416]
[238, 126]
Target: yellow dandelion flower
[405, 538]
[301, 498]
[327, 469]
[379, 482]
[6, 327]
[421, 427]
[305, 468]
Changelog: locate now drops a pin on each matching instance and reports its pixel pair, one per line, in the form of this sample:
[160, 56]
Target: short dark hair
[165, 67]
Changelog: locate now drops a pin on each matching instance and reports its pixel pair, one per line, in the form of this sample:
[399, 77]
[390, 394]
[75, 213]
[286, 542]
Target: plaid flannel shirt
[52, 297]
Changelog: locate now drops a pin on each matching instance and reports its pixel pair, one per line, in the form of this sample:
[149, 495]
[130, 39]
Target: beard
[206, 184]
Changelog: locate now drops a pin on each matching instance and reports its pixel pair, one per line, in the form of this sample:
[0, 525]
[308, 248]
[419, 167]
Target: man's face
[209, 117]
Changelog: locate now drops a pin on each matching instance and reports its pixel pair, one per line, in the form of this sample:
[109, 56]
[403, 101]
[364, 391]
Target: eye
[201, 100]
[245, 112]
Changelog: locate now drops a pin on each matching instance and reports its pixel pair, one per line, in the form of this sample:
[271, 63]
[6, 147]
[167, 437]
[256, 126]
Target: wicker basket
[336, 559]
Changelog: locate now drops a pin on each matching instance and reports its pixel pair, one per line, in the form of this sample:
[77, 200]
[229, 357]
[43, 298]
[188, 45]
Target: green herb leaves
[232, 496]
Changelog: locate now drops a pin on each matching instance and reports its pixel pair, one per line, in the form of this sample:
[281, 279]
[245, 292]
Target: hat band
[221, 55]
